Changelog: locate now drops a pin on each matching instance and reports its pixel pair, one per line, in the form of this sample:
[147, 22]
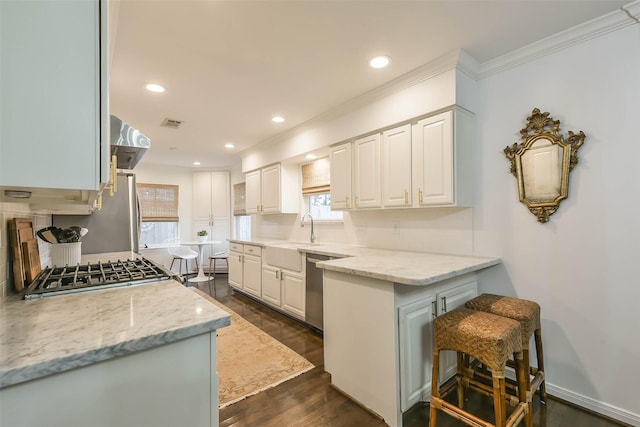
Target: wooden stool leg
[543, 389]
[433, 412]
[499, 403]
[459, 380]
[522, 378]
[172, 261]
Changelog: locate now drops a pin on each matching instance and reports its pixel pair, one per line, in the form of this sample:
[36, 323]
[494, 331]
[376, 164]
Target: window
[316, 187]
[320, 208]
[159, 213]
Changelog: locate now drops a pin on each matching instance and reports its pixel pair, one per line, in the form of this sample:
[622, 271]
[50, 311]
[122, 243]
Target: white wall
[583, 267]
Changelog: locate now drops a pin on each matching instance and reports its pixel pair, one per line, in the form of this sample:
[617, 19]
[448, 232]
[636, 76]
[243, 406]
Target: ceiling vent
[171, 123]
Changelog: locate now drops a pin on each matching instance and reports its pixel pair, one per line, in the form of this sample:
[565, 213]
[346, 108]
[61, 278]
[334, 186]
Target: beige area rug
[250, 361]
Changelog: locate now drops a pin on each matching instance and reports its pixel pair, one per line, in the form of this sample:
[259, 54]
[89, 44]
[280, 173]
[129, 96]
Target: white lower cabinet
[271, 286]
[251, 270]
[415, 338]
[235, 265]
[284, 289]
[245, 262]
[293, 293]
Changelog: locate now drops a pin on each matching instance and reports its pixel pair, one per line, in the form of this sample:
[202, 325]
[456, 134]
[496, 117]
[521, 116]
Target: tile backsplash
[18, 210]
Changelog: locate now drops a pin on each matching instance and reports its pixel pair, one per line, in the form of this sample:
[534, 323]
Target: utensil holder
[66, 253]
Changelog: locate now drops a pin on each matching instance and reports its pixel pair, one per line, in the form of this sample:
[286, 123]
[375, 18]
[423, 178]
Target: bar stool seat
[527, 313]
[182, 253]
[491, 339]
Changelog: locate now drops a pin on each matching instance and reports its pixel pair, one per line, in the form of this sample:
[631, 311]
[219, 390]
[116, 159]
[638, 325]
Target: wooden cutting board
[20, 230]
[31, 260]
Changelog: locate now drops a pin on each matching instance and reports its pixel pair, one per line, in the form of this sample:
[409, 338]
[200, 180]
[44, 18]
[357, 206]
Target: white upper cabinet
[427, 163]
[341, 177]
[253, 189]
[54, 121]
[366, 173]
[211, 196]
[396, 167]
[273, 189]
[441, 160]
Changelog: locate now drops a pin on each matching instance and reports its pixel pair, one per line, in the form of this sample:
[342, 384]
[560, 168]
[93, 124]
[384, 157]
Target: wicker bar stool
[490, 339]
[528, 314]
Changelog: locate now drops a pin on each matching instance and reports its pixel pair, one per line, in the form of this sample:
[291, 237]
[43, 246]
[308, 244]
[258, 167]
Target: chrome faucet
[313, 236]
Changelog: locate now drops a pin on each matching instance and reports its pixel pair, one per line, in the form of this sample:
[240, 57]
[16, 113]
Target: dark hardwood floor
[309, 399]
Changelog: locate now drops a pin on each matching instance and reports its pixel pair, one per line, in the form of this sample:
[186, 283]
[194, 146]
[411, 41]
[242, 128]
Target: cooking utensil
[68, 235]
[47, 235]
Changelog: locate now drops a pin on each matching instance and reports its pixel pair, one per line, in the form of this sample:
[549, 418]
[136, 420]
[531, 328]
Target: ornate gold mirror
[541, 163]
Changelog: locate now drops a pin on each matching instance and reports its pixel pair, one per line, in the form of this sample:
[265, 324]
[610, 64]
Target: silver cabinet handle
[444, 304]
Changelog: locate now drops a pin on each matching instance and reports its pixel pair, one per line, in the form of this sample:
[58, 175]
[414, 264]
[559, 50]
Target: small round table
[200, 277]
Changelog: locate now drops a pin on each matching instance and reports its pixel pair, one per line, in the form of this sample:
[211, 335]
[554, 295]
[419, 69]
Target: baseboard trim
[597, 406]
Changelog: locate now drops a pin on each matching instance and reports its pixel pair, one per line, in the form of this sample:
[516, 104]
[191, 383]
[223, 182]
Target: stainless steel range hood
[127, 144]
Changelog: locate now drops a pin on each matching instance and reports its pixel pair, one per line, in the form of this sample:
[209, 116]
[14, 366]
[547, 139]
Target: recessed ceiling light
[152, 87]
[380, 61]
[277, 119]
[196, 163]
[310, 156]
[229, 145]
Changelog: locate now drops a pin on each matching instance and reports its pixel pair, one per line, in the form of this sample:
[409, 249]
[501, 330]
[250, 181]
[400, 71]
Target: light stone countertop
[409, 268]
[45, 336]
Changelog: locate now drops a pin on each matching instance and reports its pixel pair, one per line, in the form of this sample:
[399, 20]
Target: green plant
[202, 233]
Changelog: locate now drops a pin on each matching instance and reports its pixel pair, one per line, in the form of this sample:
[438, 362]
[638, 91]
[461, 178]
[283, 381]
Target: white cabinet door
[202, 198]
[396, 167]
[212, 209]
[271, 289]
[446, 301]
[253, 189]
[415, 340]
[366, 183]
[252, 275]
[341, 177]
[235, 269]
[220, 196]
[53, 132]
[271, 189]
[433, 177]
[293, 293]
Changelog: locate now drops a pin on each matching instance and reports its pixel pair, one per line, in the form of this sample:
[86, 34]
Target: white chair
[182, 253]
[217, 256]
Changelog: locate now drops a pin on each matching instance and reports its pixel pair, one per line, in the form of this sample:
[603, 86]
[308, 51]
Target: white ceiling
[229, 66]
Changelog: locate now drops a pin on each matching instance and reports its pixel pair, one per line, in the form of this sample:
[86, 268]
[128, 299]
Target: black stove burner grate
[82, 277]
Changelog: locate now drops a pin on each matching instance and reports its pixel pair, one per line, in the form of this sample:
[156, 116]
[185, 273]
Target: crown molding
[633, 9]
[627, 15]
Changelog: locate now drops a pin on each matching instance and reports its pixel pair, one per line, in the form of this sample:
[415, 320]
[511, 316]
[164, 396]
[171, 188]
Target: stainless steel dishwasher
[313, 306]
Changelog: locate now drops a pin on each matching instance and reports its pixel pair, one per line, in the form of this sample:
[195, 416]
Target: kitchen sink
[284, 256]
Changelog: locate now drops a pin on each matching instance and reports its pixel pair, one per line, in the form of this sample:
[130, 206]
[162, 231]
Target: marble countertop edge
[418, 277]
[21, 374]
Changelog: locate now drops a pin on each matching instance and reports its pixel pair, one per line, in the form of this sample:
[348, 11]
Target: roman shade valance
[316, 177]
[158, 202]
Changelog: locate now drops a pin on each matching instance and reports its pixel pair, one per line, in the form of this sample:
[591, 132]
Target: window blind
[316, 177]
[158, 202]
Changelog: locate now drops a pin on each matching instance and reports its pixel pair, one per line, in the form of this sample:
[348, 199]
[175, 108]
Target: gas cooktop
[101, 275]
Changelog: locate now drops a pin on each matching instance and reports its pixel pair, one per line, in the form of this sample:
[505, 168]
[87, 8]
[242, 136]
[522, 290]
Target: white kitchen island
[378, 310]
[134, 356]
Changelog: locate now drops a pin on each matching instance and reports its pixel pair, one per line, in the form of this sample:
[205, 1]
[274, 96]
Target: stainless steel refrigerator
[114, 228]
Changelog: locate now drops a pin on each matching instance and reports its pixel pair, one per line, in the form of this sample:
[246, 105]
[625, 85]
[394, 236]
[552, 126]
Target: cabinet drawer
[253, 250]
[235, 247]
